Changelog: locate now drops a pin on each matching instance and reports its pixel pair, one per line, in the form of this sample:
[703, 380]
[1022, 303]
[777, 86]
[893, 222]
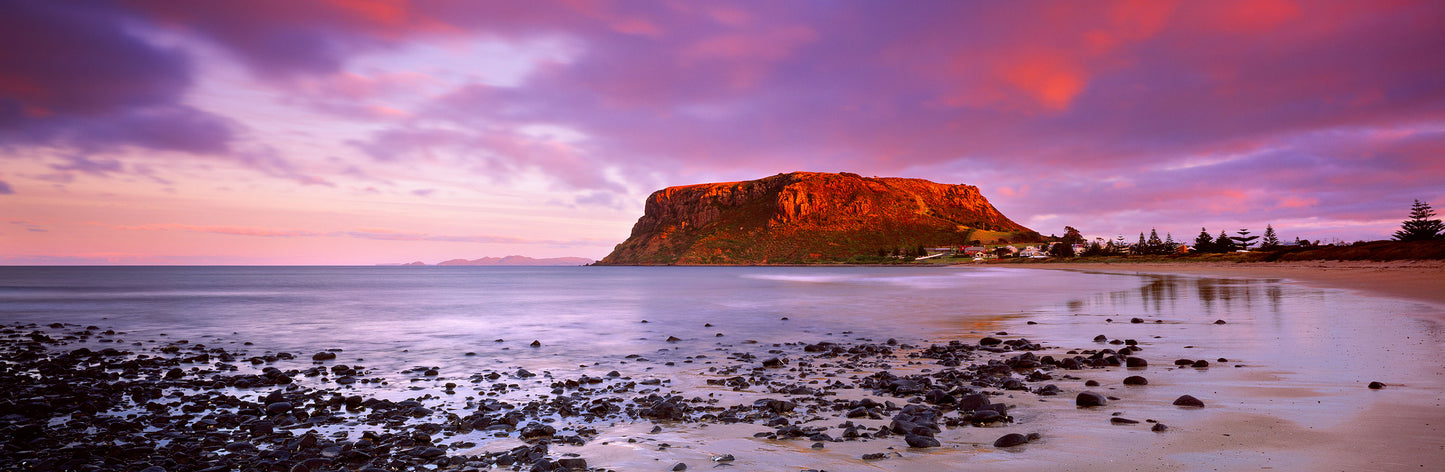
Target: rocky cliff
[806, 217]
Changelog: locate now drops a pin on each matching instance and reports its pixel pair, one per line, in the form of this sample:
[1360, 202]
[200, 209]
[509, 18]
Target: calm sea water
[580, 314]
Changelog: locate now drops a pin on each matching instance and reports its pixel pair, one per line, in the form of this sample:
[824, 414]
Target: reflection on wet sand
[1163, 293]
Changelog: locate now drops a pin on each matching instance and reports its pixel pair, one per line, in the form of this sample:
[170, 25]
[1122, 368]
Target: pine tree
[1141, 247]
[1223, 243]
[1155, 245]
[1420, 226]
[1204, 242]
[1270, 240]
[1169, 245]
[1244, 240]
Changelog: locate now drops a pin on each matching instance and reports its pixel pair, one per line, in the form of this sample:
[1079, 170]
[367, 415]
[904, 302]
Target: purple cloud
[74, 75]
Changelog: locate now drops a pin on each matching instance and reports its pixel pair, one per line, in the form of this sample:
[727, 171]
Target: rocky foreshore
[87, 398]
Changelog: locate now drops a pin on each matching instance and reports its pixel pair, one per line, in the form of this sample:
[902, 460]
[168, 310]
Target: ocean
[435, 315]
[1282, 349]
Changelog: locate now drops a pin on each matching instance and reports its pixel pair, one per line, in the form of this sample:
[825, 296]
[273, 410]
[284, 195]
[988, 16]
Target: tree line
[1205, 243]
[1420, 226]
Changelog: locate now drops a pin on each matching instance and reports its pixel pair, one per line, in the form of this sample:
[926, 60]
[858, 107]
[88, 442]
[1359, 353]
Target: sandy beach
[1417, 280]
[1401, 427]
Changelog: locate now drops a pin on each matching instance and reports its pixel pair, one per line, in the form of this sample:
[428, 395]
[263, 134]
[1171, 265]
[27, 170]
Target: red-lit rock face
[808, 217]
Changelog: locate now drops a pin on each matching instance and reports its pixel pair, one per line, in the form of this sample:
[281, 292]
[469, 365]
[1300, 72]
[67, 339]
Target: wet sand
[1416, 280]
[1401, 427]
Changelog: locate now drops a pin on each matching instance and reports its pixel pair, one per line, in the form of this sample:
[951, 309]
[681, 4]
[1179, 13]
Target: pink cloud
[380, 234]
[1097, 107]
[230, 230]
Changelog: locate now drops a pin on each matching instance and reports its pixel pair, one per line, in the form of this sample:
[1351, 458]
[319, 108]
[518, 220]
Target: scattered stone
[1136, 362]
[323, 356]
[1188, 401]
[1159, 428]
[920, 441]
[1090, 399]
[1136, 320]
[679, 467]
[1377, 385]
[1118, 420]
[725, 457]
[536, 343]
[874, 456]
[1011, 440]
[1136, 380]
[1219, 322]
[278, 408]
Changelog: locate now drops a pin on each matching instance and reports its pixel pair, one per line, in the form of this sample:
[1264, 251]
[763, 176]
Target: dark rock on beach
[921, 441]
[1188, 401]
[1011, 440]
[1089, 399]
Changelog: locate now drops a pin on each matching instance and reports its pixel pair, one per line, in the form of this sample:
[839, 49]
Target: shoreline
[1422, 281]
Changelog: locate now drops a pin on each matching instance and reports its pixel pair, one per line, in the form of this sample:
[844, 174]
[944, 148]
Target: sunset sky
[376, 131]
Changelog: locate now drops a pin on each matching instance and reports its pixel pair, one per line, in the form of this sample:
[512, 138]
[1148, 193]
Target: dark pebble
[278, 408]
[1159, 428]
[1136, 380]
[920, 441]
[1011, 440]
[1118, 420]
[1219, 322]
[1088, 399]
[1376, 385]
[679, 467]
[1188, 401]
[1136, 362]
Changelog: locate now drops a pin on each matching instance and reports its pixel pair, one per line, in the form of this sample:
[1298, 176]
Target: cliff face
[808, 217]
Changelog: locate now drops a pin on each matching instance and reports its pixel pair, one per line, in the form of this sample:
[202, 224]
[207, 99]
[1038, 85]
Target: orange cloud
[1256, 15]
[387, 12]
[1293, 201]
[1049, 79]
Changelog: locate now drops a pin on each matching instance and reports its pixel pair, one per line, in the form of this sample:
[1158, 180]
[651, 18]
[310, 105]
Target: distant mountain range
[519, 261]
[510, 261]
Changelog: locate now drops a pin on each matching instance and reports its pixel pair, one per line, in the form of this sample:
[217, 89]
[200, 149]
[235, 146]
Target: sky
[387, 131]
